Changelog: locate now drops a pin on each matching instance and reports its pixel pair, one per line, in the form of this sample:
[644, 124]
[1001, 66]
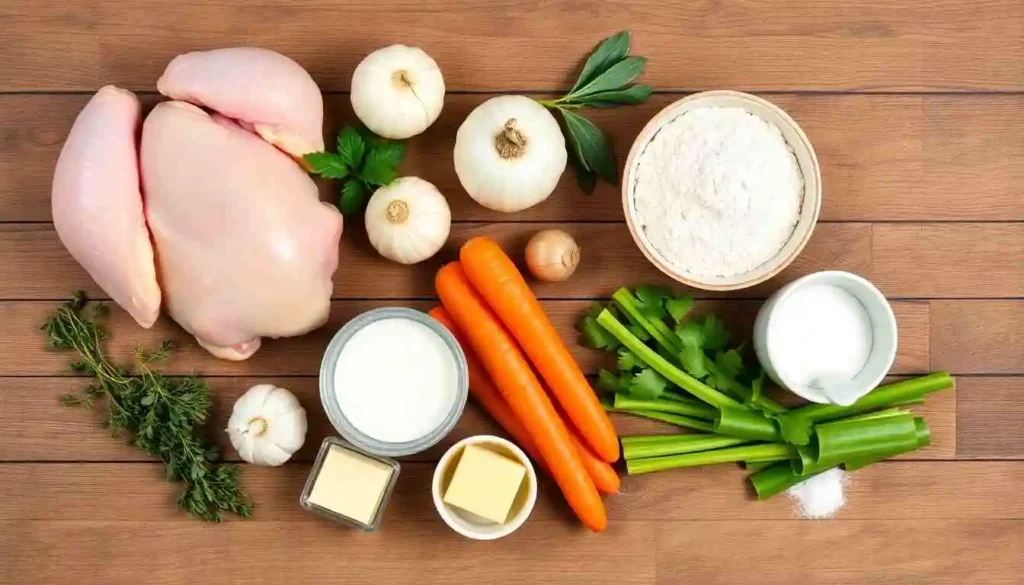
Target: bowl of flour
[721, 190]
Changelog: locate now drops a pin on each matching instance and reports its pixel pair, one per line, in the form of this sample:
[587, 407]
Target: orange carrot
[600, 471]
[520, 387]
[499, 282]
[483, 391]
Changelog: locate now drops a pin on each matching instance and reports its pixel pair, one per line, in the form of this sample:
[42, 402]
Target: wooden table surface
[916, 110]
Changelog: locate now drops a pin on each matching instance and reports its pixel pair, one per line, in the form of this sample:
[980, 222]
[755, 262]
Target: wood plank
[883, 157]
[315, 551]
[505, 45]
[895, 490]
[302, 355]
[990, 413]
[31, 416]
[34, 264]
[952, 260]
[880, 552]
[904, 260]
[964, 334]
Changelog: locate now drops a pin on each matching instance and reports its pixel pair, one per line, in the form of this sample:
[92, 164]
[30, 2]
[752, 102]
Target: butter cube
[485, 483]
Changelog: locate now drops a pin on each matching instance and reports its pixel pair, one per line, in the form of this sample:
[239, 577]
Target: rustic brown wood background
[916, 109]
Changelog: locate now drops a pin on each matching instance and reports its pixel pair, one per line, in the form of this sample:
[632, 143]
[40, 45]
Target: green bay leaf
[594, 148]
[618, 75]
[633, 94]
[611, 50]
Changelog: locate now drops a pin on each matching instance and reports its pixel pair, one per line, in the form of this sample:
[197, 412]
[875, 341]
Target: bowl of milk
[393, 381]
[829, 337]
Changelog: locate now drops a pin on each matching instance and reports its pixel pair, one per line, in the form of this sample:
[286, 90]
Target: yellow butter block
[350, 484]
[485, 483]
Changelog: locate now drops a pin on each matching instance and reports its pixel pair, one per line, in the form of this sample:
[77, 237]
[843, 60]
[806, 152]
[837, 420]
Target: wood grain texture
[891, 157]
[904, 260]
[610, 260]
[516, 45]
[990, 411]
[948, 260]
[963, 332]
[894, 490]
[302, 355]
[31, 416]
[313, 551]
[880, 552]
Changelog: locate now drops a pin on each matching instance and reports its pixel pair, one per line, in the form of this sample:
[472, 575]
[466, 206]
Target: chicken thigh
[245, 249]
[97, 207]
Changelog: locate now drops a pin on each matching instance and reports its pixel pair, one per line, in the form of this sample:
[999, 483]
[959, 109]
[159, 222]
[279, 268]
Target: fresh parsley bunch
[363, 163]
[605, 82]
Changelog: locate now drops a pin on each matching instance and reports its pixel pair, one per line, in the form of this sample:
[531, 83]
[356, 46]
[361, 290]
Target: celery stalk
[641, 451]
[881, 397]
[672, 419]
[923, 439]
[728, 455]
[755, 466]
[659, 331]
[746, 424]
[698, 410]
[776, 478]
[663, 366]
[659, 439]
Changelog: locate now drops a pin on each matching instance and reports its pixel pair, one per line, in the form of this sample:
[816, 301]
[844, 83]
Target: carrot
[499, 282]
[482, 389]
[600, 471]
[520, 387]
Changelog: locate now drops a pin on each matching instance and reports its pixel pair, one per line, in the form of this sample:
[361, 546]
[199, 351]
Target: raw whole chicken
[243, 247]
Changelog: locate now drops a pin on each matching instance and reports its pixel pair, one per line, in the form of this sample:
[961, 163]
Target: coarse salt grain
[718, 192]
[820, 496]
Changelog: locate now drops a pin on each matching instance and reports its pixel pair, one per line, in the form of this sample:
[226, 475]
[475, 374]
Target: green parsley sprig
[363, 162]
[605, 82]
[159, 415]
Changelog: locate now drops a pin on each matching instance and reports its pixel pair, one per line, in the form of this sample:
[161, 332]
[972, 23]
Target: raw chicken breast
[97, 207]
[264, 90]
[245, 247]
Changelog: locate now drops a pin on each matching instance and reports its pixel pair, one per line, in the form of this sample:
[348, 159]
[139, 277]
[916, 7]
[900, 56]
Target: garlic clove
[267, 425]
[397, 91]
[270, 455]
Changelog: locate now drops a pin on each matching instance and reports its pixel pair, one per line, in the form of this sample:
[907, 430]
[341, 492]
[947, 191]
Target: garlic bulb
[408, 221]
[267, 425]
[509, 153]
[552, 255]
[397, 91]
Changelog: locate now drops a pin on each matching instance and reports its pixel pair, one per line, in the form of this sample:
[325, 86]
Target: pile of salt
[820, 496]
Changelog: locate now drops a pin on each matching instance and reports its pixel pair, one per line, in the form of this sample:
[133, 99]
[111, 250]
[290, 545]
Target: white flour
[718, 192]
[820, 496]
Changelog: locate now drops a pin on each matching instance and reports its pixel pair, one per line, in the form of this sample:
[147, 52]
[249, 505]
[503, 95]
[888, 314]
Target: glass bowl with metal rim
[329, 399]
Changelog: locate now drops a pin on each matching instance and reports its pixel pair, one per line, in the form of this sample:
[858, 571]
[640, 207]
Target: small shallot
[552, 255]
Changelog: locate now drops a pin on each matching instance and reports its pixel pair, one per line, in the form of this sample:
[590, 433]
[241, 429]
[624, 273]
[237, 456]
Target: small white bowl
[468, 524]
[883, 329]
[806, 160]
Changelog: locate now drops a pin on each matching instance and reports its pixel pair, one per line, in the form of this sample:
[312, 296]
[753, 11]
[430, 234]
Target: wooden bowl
[806, 160]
